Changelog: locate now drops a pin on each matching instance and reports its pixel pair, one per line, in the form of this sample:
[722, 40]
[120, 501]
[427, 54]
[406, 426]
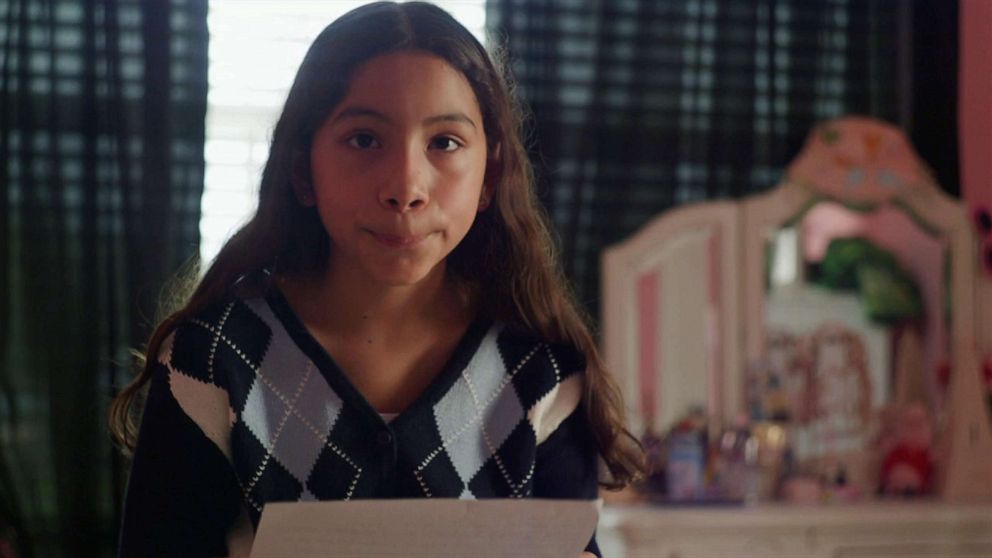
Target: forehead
[410, 80]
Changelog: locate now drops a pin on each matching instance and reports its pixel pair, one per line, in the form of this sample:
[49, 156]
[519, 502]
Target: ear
[299, 178]
[494, 172]
[485, 199]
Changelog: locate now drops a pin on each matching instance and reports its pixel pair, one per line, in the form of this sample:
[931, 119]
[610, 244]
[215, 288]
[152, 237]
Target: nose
[405, 186]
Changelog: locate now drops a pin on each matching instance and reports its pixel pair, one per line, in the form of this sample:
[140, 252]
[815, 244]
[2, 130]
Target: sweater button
[384, 438]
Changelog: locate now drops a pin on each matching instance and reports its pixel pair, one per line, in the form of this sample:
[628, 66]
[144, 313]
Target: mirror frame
[965, 471]
[624, 263]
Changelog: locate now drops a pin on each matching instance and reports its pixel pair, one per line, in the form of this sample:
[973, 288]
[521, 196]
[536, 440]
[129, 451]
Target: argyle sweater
[245, 407]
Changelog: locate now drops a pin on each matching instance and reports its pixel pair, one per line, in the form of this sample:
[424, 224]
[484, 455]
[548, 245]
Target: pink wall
[975, 102]
[975, 138]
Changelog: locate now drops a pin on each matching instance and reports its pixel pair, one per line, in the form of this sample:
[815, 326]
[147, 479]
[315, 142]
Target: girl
[390, 324]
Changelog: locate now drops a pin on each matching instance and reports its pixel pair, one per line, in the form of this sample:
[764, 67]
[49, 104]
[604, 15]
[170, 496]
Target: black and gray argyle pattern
[300, 431]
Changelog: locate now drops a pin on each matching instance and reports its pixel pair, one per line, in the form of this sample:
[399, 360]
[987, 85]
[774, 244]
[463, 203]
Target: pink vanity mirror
[837, 307]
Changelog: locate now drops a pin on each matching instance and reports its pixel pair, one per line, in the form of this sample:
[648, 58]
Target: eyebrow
[359, 111]
[451, 117]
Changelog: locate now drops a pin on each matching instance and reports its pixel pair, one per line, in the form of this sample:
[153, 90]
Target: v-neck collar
[467, 346]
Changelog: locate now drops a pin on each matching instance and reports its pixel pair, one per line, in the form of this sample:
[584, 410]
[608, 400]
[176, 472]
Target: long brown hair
[508, 254]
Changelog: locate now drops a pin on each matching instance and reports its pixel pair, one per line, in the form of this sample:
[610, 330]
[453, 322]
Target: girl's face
[398, 168]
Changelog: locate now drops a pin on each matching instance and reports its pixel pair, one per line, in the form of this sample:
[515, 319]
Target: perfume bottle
[686, 461]
[741, 478]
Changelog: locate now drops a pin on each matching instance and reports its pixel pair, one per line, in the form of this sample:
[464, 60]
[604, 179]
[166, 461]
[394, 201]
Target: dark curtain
[933, 89]
[102, 106]
[641, 105]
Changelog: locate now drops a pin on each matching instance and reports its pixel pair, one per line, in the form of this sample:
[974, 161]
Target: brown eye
[363, 141]
[445, 143]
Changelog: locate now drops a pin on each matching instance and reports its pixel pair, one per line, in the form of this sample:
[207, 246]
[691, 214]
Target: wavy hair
[508, 253]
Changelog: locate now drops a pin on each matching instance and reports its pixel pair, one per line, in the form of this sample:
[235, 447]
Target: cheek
[338, 187]
[471, 175]
[335, 202]
[464, 196]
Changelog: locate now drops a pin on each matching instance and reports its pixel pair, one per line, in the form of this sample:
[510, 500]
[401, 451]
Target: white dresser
[869, 530]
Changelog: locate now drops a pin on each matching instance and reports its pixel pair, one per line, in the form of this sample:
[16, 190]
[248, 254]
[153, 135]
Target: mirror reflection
[857, 318]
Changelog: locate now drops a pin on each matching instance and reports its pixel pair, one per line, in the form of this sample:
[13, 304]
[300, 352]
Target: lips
[397, 240]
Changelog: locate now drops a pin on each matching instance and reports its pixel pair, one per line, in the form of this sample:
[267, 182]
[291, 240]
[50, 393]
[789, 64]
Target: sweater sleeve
[182, 494]
[566, 465]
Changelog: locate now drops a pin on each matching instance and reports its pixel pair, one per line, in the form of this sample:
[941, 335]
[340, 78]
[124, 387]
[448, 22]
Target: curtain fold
[102, 106]
[641, 105]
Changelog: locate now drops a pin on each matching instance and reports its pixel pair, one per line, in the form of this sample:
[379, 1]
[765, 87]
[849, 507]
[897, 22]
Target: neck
[345, 304]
